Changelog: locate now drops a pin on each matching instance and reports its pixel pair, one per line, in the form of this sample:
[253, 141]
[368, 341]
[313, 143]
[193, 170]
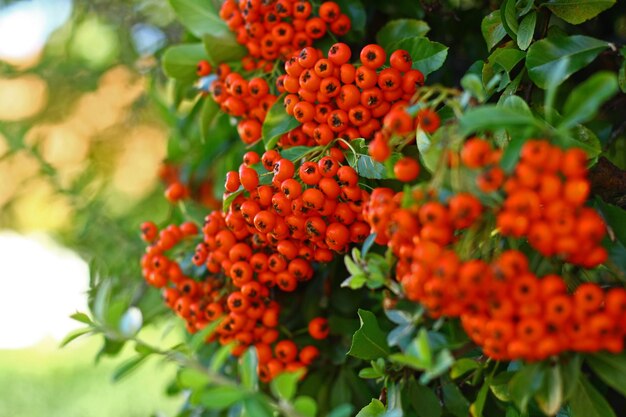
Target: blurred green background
[82, 135]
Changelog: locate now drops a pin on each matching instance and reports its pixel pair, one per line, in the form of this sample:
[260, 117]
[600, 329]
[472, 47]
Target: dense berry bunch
[270, 237]
[249, 100]
[545, 199]
[276, 29]
[505, 308]
[333, 98]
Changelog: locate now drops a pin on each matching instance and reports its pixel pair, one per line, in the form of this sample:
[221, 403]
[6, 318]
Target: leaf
[344, 410]
[277, 122]
[374, 409]
[544, 55]
[462, 366]
[492, 29]
[525, 383]
[526, 31]
[474, 85]
[369, 342]
[501, 60]
[578, 11]
[508, 13]
[128, 367]
[423, 400]
[248, 369]
[478, 406]
[490, 117]
[614, 216]
[200, 17]
[400, 29]
[550, 395]
[367, 244]
[356, 12]
[610, 368]
[588, 402]
[210, 109]
[570, 372]
[284, 385]
[584, 101]
[369, 373]
[81, 317]
[192, 378]
[454, 401]
[180, 61]
[218, 359]
[428, 56]
[231, 197]
[221, 397]
[200, 337]
[223, 47]
[366, 167]
[306, 406]
[296, 153]
[75, 335]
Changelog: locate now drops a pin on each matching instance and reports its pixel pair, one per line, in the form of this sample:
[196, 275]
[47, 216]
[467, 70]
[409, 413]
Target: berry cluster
[238, 97]
[503, 306]
[545, 199]
[246, 312]
[275, 29]
[333, 98]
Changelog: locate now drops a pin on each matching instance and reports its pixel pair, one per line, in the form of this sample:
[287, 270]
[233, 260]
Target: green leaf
[200, 17]
[305, 405]
[284, 385]
[490, 117]
[526, 31]
[75, 335]
[200, 337]
[544, 55]
[344, 410]
[223, 47]
[400, 29]
[492, 29]
[428, 56]
[128, 367]
[231, 197]
[192, 378]
[502, 60]
[181, 61]
[610, 368]
[424, 401]
[248, 369]
[570, 372]
[478, 406]
[366, 167]
[296, 153]
[369, 373]
[277, 122]
[584, 101]
[462, 366]
[588, 402]
[508, 13]
[221, 397]
[356, 12]
[369, 342]
[374, 409]
[550, 395]
[614, 216]
[210, 109]
[578, 11]
[218, 359]
[525, 383]
[454, 401]
[81, 317]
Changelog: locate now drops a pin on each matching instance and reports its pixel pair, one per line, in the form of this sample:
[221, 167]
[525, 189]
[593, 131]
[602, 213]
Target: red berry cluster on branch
[248, 100]
[333, 98]
[504, 307]
[275, 29]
